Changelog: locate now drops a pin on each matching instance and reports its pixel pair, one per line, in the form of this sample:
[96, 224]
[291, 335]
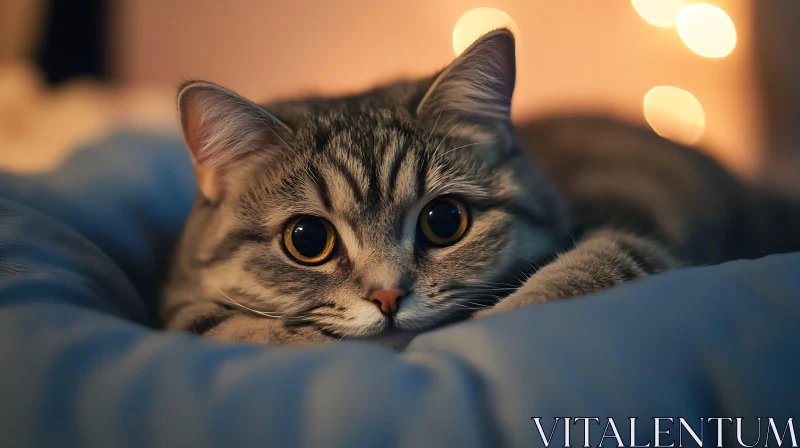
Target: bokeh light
[477, 22]
[660, 13]
[707, 30]
[675, 114]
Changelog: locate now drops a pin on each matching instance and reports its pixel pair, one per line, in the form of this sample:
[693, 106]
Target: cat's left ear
[220, 129]
[477, 87]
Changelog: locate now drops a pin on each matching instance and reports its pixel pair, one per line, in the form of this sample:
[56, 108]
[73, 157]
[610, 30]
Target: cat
[382, 215]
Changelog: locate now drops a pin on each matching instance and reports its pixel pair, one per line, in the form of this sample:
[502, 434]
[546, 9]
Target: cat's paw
[605, 259]
[528, 294]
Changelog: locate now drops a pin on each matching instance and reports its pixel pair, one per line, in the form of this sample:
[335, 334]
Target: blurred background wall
[572, 55]
[20, 27]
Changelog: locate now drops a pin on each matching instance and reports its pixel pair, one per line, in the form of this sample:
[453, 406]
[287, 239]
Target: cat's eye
[309, 240]
[444, 221]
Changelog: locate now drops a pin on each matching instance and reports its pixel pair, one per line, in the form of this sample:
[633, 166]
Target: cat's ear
[477, 87]
[221, 128]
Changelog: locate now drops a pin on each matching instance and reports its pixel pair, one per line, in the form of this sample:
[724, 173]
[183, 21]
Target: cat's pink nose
[387, 299]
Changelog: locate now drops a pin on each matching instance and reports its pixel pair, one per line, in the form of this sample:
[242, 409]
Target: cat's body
[386, 214]
[613, 173]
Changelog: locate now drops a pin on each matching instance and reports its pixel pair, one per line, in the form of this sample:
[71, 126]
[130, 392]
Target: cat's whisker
[482, 304]
[486, 292]
[434, 124]
[509, 285]
[260, 313]
[534, 267]
[290, 148]
[519, 280]
[532, 264]
[497, 297]
[472, 308]
[479, 304]
[476, 298]
[463, 146]
[493, 288]
[436, 150]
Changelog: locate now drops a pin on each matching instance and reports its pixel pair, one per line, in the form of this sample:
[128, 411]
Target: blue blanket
[82, 250]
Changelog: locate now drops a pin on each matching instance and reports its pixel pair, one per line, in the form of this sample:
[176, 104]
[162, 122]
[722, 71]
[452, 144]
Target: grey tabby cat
[386, 214]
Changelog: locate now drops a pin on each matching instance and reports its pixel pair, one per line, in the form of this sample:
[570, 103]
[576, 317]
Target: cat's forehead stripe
[344, 173]
[405, 183]
[323, 190]
[397, 160]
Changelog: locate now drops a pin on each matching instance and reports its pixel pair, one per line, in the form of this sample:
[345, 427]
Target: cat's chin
[398, 333]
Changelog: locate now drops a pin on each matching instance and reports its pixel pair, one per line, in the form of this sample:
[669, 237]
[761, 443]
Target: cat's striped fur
[369, 163]
[612, 172]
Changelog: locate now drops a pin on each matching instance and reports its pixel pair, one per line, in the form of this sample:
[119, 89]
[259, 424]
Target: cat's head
[376, 216]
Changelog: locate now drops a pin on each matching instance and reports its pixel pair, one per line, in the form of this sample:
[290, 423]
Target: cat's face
[377, 216]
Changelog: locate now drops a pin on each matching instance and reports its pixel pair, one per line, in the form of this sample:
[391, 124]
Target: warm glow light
[661, 13]
[477, 22]
[707, 30]
[675, 114]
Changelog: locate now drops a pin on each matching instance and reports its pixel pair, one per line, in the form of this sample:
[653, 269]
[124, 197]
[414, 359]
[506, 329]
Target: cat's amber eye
[309, 240]
[444, 221]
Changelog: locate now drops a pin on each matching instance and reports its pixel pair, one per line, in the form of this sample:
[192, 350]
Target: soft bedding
[82, 250]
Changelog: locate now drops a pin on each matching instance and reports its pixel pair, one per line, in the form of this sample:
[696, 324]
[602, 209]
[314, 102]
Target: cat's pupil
[444, 219]
[309, 237]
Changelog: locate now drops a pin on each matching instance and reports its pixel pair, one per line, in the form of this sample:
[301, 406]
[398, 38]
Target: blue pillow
[129, 195]
[82, 250]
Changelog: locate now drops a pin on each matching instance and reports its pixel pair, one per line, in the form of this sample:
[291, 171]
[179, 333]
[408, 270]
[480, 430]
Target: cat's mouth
[411, 319]
[399, 329]
[386, 332]
[397, 333]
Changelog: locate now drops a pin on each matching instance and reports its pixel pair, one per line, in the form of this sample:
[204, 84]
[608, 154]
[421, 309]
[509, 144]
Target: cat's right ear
[476, 88]
[221, 128]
